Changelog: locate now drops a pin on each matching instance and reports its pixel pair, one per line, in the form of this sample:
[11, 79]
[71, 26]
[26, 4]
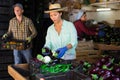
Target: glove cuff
[66, 48]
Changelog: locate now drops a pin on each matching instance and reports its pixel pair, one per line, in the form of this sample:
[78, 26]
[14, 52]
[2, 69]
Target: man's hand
[29, 39]
[61, 51]
[4, 36]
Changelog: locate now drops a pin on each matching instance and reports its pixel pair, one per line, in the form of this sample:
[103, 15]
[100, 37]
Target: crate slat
[6, 59]
[88, 55]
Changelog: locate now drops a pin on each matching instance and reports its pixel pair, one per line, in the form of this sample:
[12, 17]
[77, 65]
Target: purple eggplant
[94, 70]
[103, 60]
[115, 77]
[106, 59]
[101, 71]
[82, 62]
[116, 69]
[109, 64]
[98, 64]
[46, 51]
[107, 68]
[36, 60]
[106, 75]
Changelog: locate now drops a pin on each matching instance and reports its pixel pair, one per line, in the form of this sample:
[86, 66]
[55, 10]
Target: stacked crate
[6, 56]
[85, 51]
[5, 14]
[117, 23]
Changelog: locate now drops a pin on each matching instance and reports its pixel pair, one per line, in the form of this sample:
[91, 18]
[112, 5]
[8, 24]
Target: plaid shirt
[20, 31]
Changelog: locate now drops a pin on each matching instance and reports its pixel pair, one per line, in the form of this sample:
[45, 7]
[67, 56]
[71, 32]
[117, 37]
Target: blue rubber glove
[62, 51]
[101, 33]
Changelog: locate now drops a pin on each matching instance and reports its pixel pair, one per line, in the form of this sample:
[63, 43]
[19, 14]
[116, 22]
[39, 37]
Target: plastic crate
[5, 53]
[71, 75]
[15, 44]
[6, 59]
[6, 3]
[34, 66]
[4, 74]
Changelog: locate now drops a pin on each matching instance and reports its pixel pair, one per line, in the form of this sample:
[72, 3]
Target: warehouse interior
[34, 9]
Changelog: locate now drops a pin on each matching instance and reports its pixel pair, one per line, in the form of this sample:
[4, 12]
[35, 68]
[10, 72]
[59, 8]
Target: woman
[61, 35]
[81, 27]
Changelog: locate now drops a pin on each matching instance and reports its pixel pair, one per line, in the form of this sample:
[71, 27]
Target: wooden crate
[85, 45]
[15, 74]
[117, 23]
[106, 47]
[88, 55]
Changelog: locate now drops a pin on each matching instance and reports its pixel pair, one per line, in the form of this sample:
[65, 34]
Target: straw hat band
[54, 9]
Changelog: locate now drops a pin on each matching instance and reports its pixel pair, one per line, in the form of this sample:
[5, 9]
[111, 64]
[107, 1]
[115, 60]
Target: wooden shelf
[106, 47]
[104, 3]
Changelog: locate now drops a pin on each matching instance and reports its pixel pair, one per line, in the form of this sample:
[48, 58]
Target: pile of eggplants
[104, 69]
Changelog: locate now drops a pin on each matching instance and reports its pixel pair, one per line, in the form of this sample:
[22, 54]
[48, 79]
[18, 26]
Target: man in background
[21, 28]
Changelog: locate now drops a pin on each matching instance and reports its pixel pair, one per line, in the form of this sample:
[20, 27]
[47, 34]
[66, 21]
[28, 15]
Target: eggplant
[115, 77]
[106, 59]
[35, 60]
[107, 68]
[81, 62]
[46, 51]
[86, 65]
[106, 75]
[103, 60]
[98, 64]
[94, 70]
[109, 64]
[116, 70]
[101, 71]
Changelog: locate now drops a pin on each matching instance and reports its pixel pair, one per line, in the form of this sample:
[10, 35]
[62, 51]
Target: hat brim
[60, 9]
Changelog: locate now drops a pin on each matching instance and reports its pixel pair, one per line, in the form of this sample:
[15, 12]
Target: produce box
[71, 75]
[15, 44]
[88, 55]
[106, 47]
[85, 45]
[117, 23]
[19, 71]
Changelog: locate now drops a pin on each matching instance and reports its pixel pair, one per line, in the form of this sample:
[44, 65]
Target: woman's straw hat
[55, 7]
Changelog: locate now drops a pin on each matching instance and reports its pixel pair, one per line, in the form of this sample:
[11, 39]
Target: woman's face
[84, 17]
[55, 16]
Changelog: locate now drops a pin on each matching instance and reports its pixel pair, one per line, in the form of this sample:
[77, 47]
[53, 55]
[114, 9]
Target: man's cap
[18, 5]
